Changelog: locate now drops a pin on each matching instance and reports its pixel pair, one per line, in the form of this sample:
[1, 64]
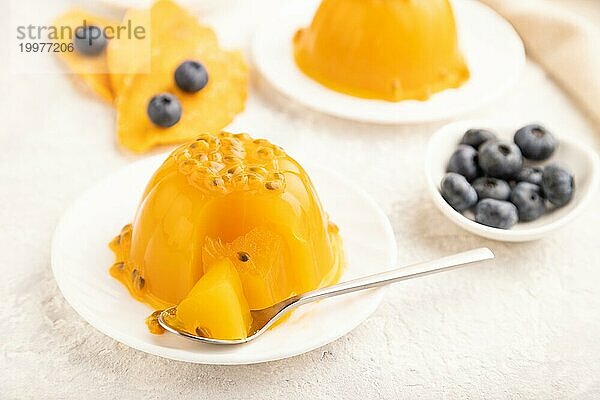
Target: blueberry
[89, 40]
[458, 192]
[496, 213]
[558, 185]
[476, 137]
[464, 162]
[535, 142]
[500, 159]
[491, 188]
[164, 110]
[528, 200]
[531, 175]
[191, 76]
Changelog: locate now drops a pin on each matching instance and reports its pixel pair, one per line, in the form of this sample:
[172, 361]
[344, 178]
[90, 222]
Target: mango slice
[228, 196]
[169, 32]
[382, 49]
[91, 70]
[140, 61]
[208, 110]
[216, 306]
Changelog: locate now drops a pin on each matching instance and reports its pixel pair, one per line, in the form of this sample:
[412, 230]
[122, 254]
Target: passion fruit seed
[139, 283]
[119, 265]
[203, 332]
[164, 110]
[218, 182]
[273, 185]
[243, 256]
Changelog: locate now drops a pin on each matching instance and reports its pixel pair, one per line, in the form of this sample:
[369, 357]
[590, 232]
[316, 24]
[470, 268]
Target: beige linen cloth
[565, 44]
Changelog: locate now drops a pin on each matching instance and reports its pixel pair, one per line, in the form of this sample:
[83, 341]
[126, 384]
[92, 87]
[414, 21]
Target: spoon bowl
[263, 319]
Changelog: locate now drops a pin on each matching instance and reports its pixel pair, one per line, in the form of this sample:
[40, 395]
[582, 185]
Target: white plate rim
[445, 111]
[377, 294]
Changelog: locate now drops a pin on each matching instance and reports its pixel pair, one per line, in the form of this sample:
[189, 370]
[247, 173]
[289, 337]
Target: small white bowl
[581, 160]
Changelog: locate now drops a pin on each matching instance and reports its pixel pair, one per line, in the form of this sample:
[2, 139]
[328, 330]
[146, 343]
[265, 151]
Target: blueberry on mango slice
[191, 76]
[500, 159]
[528, 200]
[476, 137]
[458, 192]
[92, 71]
[496, 213]
[558, 185]
[464, 162]
[89, 40]
[164, 110]
[491, 188]
[535, 142]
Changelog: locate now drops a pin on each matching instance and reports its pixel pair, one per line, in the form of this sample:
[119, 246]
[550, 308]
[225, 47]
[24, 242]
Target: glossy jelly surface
[382, 49]
[228, 196]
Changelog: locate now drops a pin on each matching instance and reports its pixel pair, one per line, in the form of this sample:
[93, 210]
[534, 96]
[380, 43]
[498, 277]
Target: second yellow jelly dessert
[382, 49]
[226, 225]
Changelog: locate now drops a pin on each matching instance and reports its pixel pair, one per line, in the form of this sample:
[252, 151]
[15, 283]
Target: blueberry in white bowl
[496, 213]
[458, 192]
[475, 137]
[491, 188]
[500, 159]
[558, 185]
[573, 175]
[531, 175]
[529, 201]
[464, 162]
[535, 142]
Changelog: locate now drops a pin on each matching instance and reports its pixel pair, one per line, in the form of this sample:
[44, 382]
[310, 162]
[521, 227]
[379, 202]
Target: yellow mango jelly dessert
[227, 197]
[382, 49]
[216, 306]
[90, 66]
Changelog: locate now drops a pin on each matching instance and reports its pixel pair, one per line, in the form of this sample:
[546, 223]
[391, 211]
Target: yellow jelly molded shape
[382, 49]
[92, 70]
[228, 197]
[216, 306]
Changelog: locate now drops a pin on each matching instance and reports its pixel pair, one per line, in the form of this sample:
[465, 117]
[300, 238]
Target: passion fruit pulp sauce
[227, 197]
[382, 49]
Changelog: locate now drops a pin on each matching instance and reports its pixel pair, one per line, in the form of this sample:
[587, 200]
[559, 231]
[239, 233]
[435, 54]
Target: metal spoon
[263, 319]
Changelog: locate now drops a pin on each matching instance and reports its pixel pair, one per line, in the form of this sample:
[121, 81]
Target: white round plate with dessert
[579, 159]
[81, 259]
[493, 51]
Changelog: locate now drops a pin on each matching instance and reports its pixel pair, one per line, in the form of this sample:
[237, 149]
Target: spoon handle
[401, 274]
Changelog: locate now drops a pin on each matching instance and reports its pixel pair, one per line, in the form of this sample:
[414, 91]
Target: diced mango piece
[216, 306]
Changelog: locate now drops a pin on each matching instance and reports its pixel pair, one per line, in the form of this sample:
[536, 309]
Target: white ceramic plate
[493, 50]
[80, 261]
[581, 160]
